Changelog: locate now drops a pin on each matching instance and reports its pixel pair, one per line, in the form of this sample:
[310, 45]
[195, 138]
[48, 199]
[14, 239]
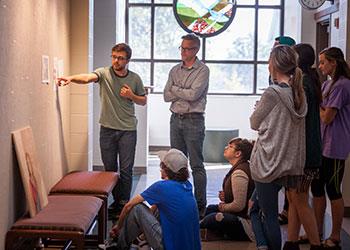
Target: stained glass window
[237, 57]
[204, 17]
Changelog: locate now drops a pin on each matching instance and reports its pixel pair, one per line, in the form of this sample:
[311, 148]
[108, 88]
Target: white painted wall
[308, 27]
[292, 20]
[222, 112]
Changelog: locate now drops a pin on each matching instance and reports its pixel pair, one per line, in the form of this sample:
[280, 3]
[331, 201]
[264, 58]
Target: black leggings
[331, 176]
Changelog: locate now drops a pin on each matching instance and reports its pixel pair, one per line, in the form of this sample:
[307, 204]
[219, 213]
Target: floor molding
[158, 148]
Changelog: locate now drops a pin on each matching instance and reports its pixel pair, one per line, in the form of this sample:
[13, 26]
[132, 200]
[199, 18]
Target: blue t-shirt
[178, 213]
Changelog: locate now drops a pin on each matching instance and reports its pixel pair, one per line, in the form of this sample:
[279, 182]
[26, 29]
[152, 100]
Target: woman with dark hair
[335, 131]
[229, 219]
[300, 211]
[278, 156]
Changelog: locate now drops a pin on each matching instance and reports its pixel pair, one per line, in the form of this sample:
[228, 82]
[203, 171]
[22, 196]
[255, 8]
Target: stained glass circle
[204, 17]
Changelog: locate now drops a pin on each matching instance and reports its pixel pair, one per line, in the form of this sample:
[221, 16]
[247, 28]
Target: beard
[118, 67]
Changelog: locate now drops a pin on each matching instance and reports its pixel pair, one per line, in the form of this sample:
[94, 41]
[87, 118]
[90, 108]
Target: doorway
[322, 39]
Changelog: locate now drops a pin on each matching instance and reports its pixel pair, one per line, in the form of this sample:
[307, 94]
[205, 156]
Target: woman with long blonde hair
[278, 156]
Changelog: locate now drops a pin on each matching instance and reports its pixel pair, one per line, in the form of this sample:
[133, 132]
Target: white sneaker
[108, 245]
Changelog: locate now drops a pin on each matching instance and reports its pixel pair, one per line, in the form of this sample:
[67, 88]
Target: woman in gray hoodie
[278, 156]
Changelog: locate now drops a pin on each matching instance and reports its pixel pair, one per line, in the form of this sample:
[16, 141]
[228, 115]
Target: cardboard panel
[30, 170]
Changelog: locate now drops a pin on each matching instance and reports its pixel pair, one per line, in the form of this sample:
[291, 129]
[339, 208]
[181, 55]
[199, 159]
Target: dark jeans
[268, 202]
[187, 135]
[226, 224]
[118, 151]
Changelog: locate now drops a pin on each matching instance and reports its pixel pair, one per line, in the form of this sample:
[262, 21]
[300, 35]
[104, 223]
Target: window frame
[255, 62]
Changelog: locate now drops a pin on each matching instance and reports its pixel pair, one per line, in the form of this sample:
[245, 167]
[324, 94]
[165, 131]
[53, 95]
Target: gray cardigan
[280, 148]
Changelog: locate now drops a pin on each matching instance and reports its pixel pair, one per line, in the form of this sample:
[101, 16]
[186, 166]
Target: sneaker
[140, 243]
[109, 244]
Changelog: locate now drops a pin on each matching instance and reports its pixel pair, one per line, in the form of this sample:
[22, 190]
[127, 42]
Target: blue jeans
[140, 220]
[227, 225]
[268, 202]
[187, 135]
[256, 218]
[118, 149]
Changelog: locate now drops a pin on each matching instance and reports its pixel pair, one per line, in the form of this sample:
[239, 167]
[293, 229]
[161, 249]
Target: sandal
[331, 244]
[282, 219]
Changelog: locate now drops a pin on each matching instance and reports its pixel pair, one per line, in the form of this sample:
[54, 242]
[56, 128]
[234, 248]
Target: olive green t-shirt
[118, 112]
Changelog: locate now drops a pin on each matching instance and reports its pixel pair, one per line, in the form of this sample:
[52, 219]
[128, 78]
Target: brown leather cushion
[64, 213]
[86, 182]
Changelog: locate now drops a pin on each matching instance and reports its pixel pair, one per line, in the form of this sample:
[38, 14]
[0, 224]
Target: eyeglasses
[186, 49]
[120, 58]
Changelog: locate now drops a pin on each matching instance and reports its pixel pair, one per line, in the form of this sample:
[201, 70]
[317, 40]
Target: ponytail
[296, 82]
[285, 60]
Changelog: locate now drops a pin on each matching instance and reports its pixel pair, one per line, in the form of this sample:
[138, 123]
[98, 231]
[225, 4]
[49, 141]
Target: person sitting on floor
[178, 227]
[229, 218]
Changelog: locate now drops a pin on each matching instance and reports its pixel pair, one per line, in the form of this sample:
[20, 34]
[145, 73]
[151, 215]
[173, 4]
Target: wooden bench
[60, 215]
[64, 218]
[92, 183]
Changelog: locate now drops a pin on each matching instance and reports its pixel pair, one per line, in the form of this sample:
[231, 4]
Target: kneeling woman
[229, 218]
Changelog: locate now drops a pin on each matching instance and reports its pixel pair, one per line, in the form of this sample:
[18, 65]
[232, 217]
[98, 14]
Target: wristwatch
[311, 4]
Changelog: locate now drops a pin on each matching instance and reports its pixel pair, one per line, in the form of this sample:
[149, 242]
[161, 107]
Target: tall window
[237, 57]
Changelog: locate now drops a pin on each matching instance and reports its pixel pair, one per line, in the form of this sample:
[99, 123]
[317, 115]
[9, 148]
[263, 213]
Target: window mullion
[152, 44]
[256, 47]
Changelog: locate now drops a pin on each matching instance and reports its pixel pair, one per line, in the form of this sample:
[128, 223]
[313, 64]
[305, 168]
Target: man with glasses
[120, 88]
[187, 89]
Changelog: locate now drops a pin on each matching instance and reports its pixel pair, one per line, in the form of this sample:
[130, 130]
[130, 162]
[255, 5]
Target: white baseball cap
[174, 159]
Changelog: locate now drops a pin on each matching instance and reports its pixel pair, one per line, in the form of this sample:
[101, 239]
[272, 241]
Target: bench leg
[102, 225]
[79, 243]
[10, 238]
